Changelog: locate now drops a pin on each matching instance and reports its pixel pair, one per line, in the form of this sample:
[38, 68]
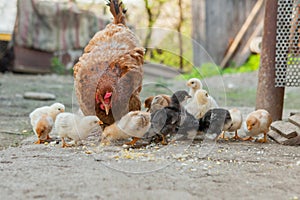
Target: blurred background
[43, 36]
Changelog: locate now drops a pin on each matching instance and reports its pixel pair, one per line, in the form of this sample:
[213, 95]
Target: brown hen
[108, 76]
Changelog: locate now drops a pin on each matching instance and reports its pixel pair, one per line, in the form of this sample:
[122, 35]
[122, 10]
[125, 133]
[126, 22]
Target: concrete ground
[186, 169]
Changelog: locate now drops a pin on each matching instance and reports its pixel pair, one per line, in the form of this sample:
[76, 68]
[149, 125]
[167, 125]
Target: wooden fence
[225, 28]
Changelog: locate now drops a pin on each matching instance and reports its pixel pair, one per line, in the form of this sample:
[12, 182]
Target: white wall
[8, 12]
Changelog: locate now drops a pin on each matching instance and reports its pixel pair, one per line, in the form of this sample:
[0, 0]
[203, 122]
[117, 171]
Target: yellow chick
[134, 124]
[237, 120]
[42, 128]
[75, 127]
[257, 122]
[158, 101]
[199, 104]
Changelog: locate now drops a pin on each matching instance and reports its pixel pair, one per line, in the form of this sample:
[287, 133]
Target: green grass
[237, 97]
[210, 69]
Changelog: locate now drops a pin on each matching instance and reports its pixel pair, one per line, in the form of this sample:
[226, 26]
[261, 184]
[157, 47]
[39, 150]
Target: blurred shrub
[57, 66]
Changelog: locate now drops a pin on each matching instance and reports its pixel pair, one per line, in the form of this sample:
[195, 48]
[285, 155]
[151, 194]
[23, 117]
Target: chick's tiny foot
[222, 136]
[263, 140]
[237, 137]
[64, 145]
[164, 140]
[39, 141]
[133, 141]
[247, 139]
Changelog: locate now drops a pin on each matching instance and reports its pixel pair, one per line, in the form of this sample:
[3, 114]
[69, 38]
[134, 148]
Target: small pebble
[88, 152]
[53, 143]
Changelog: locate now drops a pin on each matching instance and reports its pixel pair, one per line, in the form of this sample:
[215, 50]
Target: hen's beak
[100, 122]
[106, 108]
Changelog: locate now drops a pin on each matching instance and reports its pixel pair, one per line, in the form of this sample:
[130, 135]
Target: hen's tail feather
[117, 11]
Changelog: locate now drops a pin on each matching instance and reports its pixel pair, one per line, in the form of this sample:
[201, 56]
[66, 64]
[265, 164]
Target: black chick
[214, 122]
[188, 125]
[166, 120]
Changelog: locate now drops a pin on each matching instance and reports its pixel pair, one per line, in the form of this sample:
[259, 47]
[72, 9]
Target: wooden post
[268, 96]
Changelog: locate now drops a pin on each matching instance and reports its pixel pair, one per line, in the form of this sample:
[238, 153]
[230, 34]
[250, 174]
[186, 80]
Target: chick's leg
[39, 141]
[236, 136]
[133, 141]
[164, 140]
[222, 136]
[264, 140]
[48, 137]
[64, 144]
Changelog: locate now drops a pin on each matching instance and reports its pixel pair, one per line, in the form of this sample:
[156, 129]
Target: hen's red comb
[107, 95]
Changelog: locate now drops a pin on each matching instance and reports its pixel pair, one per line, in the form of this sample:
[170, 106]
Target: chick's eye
[59, 109]
[192, 82]
[206, 94]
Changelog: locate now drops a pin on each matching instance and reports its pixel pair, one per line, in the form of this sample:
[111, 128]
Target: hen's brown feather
[112, 60]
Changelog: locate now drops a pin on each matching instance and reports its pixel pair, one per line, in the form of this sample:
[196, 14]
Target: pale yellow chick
[199, 104]
[43, 117]
[257, 122]
[75, 127]
[195, 84]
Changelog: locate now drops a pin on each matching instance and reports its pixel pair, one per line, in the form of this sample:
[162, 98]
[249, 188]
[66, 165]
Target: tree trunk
[180, 36]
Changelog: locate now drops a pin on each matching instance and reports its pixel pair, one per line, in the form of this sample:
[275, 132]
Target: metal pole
[268, 96]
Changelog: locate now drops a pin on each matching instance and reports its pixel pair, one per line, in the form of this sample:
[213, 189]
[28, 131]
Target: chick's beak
[249, 128]
[100, 122]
